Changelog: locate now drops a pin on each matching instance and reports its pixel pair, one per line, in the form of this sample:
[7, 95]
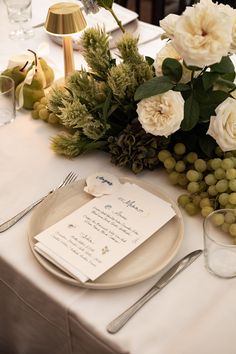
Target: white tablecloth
[40, 314]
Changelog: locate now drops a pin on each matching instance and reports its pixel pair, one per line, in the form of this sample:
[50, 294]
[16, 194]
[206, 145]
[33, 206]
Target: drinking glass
[220, 243]
[7, 100]
[20, 14]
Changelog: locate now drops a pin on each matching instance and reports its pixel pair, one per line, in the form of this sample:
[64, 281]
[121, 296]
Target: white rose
[223, 126]
[169, 52]
[203, 34]
[168, 24]
[232, 13]
[161, 114]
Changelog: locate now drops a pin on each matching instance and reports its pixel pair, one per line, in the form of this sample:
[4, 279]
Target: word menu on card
[99, 234]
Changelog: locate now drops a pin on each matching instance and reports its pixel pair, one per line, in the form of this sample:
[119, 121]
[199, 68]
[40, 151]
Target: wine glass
[20, 13]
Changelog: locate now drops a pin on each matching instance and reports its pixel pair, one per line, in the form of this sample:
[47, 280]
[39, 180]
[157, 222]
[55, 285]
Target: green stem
[119, 23]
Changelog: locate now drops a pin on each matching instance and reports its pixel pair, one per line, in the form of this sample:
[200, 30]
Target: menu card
[99, 234]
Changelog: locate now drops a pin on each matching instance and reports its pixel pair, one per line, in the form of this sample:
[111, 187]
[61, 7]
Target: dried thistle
[67, 144]
[74, 114]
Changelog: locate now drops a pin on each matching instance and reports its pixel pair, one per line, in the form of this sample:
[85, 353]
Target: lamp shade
[64, 18]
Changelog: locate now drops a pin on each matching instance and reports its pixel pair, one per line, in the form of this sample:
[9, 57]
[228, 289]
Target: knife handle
[121, 320]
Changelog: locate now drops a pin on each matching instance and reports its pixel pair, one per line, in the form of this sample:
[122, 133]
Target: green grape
[173, 177]
[202, 185]
[219, 173]
[218, 219]
[212, 191]
[183, 200]
[210, 179]
[225, 227]
[193, 187]
[44, 100]
[227, 164]
[234, 161]
[232, 230]
[230, 173]
[206, 210]
[205, 202]
[169, 163]
[215, 163]
[200, 165]
[203, 194]
[179, 149]
[232, 198]
[196, 200]
[40, 106]
[163, 154]
[182, 180]
[53, 119]
[229, 217]
[36, 104]
[193, 176]
[223, 198]
[232, 185]
[222, 186]
[35, 114]
[180, 166]
[191, 157]
[191, 209]
[229, 206]
[229, 154]
[43, 114]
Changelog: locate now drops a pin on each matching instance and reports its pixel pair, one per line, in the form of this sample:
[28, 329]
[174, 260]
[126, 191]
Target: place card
[99, 234]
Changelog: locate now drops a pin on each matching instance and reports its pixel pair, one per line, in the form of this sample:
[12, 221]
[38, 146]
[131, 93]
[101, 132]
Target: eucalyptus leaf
[106, 4]
[209, 102]
[191, 114]
[224, 66]
[207, 144]
[192, 68]
[153, 87]
[172, 68]
[226, 83]
[208, 79]
[149, 60]
[181, 87]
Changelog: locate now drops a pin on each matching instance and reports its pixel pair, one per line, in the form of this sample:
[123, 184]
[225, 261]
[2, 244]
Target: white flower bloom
[161, 114]
[223, 126]
[169, 52]
[203, 34]
[228, 10]
[168, 24]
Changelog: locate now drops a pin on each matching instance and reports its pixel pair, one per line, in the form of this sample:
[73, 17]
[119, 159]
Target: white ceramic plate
[144, 262]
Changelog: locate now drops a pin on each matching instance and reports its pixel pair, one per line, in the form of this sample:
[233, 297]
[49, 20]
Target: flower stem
[117, 20]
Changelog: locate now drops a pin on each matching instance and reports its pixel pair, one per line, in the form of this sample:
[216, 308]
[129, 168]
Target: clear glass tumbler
[7, 100]
[20, 14]
[220, 242]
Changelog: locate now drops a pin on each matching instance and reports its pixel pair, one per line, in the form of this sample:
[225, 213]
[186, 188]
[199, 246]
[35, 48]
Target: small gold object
[64, 19]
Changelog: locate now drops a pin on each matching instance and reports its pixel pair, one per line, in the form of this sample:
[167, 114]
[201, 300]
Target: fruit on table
[32, 92]
[48, 71]
[17, 73]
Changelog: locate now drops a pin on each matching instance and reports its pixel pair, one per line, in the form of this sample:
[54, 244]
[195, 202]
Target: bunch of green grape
[210, 184]
[41, 111]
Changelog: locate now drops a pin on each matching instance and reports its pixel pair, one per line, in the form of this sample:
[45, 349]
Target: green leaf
[149, 60]
[172, 68]
[191, 114]
[229, 76]
[181, 87]
[192, 68]
[226, 83]
[209, 102]
[207, 144]
[208, 79]
[153, 87]
[106, 106]
[106, 4]
[224, 66]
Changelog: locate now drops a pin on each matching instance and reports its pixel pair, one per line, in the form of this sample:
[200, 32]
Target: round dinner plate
[142, 263]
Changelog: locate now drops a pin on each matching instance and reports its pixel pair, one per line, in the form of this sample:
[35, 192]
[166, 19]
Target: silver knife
[115, 325]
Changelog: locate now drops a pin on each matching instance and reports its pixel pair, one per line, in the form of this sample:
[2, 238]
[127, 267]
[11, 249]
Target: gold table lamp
[64, 19]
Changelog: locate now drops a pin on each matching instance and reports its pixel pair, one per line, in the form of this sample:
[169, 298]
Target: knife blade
[115, 325]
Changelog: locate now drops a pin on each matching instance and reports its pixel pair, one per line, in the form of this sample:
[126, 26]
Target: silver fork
[71, 177]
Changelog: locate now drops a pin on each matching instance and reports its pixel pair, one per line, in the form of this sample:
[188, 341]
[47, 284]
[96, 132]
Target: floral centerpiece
[177, 109]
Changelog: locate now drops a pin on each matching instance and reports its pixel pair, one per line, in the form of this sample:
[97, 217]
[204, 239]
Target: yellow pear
[48, 71]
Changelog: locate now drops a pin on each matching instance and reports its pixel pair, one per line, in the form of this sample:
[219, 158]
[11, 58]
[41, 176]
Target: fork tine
[70, 179]
[67, 178]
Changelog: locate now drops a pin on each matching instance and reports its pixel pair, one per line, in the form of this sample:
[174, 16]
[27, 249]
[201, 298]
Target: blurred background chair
[152, 11]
